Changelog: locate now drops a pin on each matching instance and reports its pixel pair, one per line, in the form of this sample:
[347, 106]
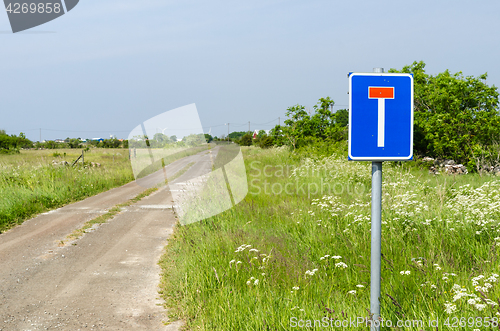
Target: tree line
[455, 117]
[11, 144]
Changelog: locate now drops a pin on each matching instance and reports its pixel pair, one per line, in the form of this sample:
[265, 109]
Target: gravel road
[108, 279]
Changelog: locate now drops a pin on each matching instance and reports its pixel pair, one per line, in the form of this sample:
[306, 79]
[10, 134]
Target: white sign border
[380, 158]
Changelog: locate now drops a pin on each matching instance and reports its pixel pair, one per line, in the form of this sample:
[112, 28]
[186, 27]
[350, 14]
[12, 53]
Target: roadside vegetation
[34, 181]
[297, 248]
[303, 251]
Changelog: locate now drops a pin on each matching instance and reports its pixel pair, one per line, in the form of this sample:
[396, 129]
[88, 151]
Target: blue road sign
[380, 117]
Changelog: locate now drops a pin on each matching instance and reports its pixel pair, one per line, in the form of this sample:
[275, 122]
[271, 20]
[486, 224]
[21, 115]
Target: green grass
[31, 184]
[442, 229]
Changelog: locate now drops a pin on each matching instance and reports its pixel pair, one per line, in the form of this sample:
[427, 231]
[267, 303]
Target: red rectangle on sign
[381, 92]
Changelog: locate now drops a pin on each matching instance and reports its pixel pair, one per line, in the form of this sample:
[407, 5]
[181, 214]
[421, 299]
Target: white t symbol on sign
[381, 93]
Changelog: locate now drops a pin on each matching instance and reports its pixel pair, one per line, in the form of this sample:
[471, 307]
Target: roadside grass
[298, 248]
[30, 184]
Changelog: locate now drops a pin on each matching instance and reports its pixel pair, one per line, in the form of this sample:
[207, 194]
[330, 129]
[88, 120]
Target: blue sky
[107, 66]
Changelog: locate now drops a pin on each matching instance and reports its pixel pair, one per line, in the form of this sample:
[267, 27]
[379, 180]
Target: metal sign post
[376, 243]
[376, 225]
[380, 129]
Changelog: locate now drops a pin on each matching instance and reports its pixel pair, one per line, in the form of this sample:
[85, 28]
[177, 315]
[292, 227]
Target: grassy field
[297, 250]
[30, 183]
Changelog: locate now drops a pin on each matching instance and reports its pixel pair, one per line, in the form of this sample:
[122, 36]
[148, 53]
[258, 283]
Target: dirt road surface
[106, 280]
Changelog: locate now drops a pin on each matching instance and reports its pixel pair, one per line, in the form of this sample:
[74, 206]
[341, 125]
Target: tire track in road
[107, 279]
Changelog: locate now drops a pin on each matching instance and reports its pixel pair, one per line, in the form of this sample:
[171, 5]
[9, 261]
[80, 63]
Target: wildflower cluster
[480, 205]
[253, 259]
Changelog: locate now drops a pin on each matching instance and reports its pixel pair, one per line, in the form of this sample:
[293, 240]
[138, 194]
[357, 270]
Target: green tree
[301, 128]
[297, 125]
[266, 141]
[161, 138]
[246, 140]
[261, 133]
[342, 117]
[74, 143]
[109, 143]
[208, 137]
[454, 115]
[323, 120]
[237, 135]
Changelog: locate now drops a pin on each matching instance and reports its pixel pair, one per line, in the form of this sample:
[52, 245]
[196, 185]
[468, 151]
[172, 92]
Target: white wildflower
[341, 265]
[459, 295]
[493, 278]
[359, 285]
[480, 306]
[407, 272]
[311, 272]
[352, 292]
[450, 307]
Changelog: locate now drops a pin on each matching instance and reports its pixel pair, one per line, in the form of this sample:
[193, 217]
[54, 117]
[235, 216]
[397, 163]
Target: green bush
[454, 114]
[266, 141]
[9, 151]
[246, 140]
